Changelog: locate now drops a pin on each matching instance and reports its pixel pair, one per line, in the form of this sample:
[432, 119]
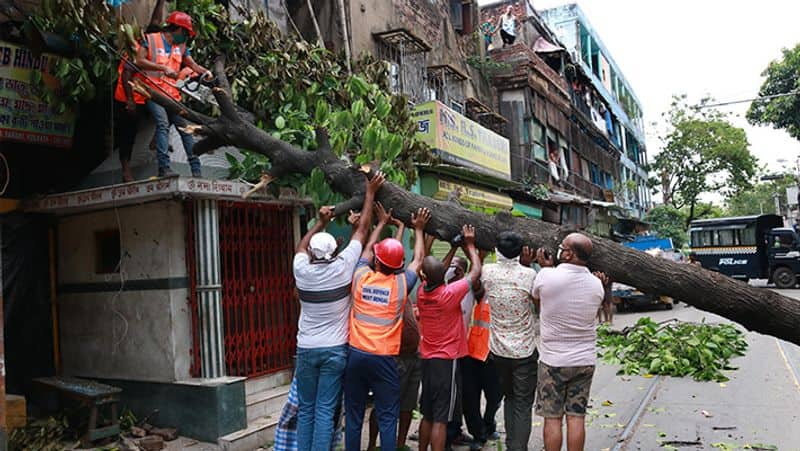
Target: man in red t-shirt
[443, 342]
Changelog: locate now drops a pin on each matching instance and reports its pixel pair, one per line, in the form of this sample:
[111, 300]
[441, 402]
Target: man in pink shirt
[443, 342]
[569, 297]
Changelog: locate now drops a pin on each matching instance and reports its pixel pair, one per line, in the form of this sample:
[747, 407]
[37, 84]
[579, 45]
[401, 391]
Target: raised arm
[325, 216]
[450, 254]
[401, 229]
[419, 220]
[383, 218]
[429, 239]
[476, 265]
[373, 186]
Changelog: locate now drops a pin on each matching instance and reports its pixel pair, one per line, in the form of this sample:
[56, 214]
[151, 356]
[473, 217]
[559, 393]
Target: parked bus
[747, 247]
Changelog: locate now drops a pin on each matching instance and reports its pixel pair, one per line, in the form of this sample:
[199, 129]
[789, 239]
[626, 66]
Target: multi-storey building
[599, 89]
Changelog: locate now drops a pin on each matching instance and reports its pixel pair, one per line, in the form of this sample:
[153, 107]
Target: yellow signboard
[472, 196]
[23, 116]
[460, 141]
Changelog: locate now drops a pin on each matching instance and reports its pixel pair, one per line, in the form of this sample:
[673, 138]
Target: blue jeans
[163, 120]
[378, 373]
[319, 375]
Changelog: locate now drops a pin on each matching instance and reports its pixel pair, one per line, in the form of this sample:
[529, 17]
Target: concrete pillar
[209, 289]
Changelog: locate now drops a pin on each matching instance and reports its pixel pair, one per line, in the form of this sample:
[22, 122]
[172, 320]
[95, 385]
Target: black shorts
[507, 38]
[441, 390]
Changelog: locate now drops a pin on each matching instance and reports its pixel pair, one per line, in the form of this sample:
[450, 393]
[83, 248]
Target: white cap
[322, 245]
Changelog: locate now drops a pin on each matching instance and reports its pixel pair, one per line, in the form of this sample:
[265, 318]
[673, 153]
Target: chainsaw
[198, 89]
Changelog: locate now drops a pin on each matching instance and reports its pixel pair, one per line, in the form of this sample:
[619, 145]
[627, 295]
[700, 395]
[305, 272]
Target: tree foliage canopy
[291, 86]
[781, 77]
[702, 153]
[760, 199]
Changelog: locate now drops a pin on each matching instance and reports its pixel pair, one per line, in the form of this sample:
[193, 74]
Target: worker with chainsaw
[129, 106]
[380, 296]
[162, 56]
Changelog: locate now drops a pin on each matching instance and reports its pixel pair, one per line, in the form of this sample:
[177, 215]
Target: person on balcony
[323, 280]
[508, 27]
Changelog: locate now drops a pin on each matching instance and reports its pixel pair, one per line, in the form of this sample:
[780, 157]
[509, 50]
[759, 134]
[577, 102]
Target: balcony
[532, 171]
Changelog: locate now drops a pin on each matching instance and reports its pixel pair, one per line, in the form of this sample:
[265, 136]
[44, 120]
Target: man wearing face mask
[162, 55]
[569, 296]
[514, 326]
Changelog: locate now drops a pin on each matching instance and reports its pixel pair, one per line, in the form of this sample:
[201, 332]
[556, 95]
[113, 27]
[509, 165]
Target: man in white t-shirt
[323, 282]
[569, 297]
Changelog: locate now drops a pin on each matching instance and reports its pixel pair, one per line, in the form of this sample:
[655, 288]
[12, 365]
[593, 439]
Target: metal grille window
[407, 55]
[446, 82]
[258, 292]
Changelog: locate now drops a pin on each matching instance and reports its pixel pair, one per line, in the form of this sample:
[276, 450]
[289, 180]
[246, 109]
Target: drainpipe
[209, 289]
[343, 18]
[51, 235]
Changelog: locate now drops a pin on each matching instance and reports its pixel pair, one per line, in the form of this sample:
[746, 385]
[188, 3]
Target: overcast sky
[697, 47]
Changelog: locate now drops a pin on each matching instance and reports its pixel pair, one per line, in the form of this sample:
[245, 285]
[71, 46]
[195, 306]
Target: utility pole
[777, 198]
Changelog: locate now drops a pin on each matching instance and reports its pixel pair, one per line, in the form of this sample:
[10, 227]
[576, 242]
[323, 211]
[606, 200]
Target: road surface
[758, 407]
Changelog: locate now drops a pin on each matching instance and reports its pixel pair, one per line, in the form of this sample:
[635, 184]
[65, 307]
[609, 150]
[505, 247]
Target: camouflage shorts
[563, 390]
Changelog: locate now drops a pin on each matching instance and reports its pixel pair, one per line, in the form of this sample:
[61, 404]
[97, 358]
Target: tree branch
[757, 309]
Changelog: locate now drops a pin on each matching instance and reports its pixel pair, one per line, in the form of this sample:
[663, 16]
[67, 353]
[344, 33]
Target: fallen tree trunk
[760, 310]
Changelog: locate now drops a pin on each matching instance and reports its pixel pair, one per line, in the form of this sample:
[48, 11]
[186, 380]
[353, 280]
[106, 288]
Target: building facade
[600, 90]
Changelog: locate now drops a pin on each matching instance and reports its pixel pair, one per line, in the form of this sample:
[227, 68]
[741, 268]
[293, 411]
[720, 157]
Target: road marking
[629, 428]
[789, 365]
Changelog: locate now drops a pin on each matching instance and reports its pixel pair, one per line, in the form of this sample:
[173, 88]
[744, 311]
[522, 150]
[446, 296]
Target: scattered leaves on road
[672, 348]
[607, 403]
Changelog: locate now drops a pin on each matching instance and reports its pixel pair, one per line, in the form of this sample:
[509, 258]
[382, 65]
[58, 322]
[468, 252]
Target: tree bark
[760, 310]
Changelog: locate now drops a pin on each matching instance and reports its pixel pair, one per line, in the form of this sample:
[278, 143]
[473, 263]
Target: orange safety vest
[478, 340]
[119, 91]
[376, 319]
[156, 52]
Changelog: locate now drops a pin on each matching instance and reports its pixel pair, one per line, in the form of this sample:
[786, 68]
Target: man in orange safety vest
[162, 55]
[380, 296]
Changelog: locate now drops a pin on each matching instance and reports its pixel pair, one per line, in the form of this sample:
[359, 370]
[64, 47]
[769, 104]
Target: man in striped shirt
[323, 282]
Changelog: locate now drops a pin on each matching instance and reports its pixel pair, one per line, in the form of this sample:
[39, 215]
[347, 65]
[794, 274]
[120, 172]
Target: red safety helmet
[183, 20]
[390, 253]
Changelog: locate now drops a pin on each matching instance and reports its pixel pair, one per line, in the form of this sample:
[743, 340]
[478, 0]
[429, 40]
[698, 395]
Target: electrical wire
[733, 102]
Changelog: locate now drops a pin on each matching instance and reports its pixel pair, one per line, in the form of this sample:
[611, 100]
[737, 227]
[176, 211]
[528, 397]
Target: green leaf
[321, 112]
[280, 122]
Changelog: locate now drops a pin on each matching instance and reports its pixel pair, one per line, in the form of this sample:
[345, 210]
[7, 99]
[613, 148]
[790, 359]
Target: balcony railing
[533, 171]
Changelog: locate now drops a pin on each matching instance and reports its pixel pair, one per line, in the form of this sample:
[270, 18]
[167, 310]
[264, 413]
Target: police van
[747, 247]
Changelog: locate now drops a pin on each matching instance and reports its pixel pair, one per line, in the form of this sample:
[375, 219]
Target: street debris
[682, 443]
[706, 413]
[607, 403]
[672, 348]
[724, 428]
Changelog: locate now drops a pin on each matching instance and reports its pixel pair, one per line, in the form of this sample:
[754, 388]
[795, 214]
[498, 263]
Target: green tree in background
[702, 153]
[781, 77]
[668, 222]
[760, 199]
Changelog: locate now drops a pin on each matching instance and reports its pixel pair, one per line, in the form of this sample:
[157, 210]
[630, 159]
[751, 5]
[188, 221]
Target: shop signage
[472, 196]
[24, 117]
[460, 141]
